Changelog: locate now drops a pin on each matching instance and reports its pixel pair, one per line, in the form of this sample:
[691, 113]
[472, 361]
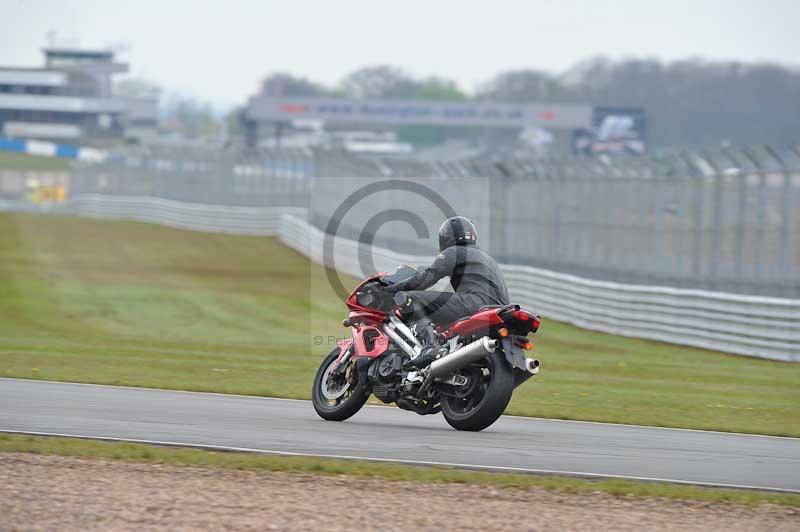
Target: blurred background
[190, 188]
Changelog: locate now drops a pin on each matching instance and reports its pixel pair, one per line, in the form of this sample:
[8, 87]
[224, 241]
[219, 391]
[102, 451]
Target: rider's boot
[427, 335]
[428, 355]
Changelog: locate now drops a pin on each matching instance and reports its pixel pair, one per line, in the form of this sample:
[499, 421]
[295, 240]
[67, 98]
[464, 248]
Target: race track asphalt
[380, 433]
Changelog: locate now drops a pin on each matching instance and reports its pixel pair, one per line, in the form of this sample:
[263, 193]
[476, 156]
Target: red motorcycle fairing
[484, 319]
[352, 300]
[471, 324]
[368, 339]
[365, 315]
[369, 342]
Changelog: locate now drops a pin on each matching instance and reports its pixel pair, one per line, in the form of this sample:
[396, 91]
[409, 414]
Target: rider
[474, 275]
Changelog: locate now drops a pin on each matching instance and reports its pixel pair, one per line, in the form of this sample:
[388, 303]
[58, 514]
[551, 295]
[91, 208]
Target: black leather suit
[474, 275]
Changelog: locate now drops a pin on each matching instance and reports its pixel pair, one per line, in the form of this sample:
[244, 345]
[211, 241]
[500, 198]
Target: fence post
[696, 202]
[716, 215]
[741, 215]
[760, 231]
[783, 268]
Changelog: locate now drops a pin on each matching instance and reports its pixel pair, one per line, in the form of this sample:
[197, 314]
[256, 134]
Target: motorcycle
[471, 383]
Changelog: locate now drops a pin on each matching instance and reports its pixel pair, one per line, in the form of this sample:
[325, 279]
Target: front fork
[351, 371]
[345, 354]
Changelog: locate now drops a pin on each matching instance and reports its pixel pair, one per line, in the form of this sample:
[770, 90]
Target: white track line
[408, 462]
[306, 401]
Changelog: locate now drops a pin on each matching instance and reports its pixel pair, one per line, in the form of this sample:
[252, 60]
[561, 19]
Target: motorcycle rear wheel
[334, 398]
[489, 400]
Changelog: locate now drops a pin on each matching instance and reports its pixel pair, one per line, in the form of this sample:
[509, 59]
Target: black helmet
[457, 231]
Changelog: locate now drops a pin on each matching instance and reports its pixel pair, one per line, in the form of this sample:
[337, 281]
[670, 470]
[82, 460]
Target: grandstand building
[71, 98]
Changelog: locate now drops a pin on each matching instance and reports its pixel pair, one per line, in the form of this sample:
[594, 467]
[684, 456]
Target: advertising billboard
[420, 112]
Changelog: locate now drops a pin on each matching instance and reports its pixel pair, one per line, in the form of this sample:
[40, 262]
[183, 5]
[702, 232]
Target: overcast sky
[220, 50]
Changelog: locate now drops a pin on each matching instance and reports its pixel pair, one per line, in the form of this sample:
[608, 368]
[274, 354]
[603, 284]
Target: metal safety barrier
[764, 327]
[258, 221]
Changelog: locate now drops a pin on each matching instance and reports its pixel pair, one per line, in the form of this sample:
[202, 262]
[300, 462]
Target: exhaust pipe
[532, 365]
[522, 375]
[458, 359]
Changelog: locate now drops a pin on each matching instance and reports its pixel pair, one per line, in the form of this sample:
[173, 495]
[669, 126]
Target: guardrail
[258, 221]
[762, 327]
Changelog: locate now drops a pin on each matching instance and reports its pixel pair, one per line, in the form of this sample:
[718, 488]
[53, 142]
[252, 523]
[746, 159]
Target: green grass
[143, 305]
[23, 161]
[393, 472]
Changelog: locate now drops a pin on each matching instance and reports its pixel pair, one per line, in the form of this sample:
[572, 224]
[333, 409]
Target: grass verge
[151, 454]
[143, 305]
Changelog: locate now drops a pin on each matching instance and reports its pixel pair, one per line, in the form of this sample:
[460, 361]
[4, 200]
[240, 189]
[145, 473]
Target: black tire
[497, 393]
[349, 403]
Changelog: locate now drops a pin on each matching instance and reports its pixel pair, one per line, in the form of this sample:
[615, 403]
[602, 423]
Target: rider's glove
[402, 300]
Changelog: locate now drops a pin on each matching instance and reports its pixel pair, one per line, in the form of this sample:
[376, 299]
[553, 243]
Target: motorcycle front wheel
[337, 395]
[491, 386]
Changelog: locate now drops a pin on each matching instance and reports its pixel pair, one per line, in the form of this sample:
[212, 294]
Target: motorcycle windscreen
[401, 273]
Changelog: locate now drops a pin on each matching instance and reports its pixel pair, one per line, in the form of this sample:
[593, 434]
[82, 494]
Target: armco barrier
[262, 221]
[259, 221]
[748, 325]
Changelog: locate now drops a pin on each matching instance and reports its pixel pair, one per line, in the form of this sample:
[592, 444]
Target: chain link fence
[272, 178]
[724, 220]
